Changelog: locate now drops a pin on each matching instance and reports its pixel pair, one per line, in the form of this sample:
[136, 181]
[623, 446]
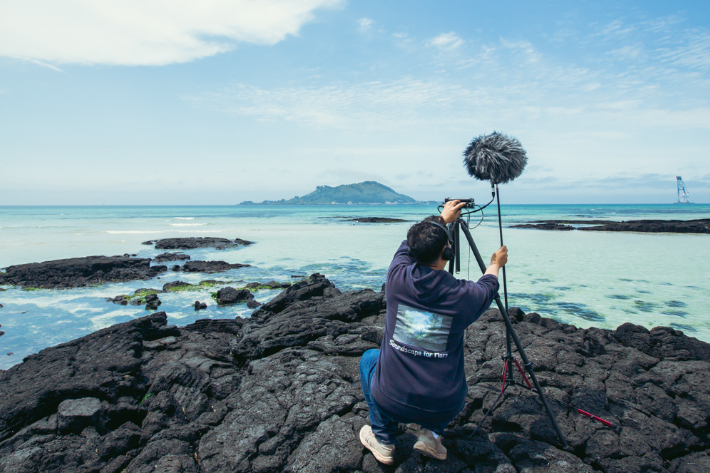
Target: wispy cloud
[628, 52]
[365, 23]
[694, 52]
[134, 32]
[446, 41]
[361, 106]
[522, 46]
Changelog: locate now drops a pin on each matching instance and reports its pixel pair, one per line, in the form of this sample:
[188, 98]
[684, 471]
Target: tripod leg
[516, 340]
[457, 239]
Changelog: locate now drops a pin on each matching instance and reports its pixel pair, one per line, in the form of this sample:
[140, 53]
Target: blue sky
[175, 102]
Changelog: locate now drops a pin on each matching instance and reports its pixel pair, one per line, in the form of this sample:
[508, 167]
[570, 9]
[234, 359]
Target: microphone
[496, 157]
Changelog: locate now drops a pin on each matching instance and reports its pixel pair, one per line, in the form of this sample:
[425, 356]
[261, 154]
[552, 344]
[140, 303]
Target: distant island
[368, 192]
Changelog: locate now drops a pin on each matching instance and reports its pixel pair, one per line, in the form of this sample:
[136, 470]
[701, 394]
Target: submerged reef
[280, 391]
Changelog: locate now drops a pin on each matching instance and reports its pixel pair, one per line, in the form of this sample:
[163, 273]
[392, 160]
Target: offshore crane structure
[683, 194]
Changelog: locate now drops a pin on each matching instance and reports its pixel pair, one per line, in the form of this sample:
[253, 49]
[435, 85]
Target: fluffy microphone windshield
[496, 157]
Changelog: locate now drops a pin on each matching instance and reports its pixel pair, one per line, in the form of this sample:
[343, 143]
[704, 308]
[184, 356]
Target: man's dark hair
[426, 241]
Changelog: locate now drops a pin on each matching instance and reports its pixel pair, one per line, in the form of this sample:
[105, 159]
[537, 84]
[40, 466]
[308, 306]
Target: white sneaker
[382, 453]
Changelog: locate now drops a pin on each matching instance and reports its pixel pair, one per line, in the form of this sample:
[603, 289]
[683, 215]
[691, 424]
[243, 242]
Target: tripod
[510, 335]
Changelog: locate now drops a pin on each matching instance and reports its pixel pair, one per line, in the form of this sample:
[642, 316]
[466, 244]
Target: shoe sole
[428, 451]
[378, 457]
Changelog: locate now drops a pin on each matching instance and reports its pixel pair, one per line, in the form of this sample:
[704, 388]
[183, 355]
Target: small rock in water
[175, 268]
[229, 295]
[152, 302]
[169, 285]
[171, 257]
[2, 333]
[253, 304]
[200, 305]
[10, 354]
[1, 306]
[118, 300]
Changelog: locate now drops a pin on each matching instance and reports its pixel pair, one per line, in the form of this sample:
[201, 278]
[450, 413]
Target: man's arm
[498, 260]
[483, 291]
[402, 256]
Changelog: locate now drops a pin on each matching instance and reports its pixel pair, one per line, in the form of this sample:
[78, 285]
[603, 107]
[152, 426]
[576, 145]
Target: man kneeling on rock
[418, 374]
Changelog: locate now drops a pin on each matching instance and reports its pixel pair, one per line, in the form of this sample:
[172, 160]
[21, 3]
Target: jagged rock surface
[80, 272]
[191, 243]
[163, 257]
[280, 392]
[210, 266]
[644, 226]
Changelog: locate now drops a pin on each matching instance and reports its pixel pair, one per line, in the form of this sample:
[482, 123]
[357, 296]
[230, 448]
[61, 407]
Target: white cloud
[446, 41]
[522, 46]
[145, 32]
[628, 52]
[410, 103]
[695, 53]
[365, 23]
[363, 106]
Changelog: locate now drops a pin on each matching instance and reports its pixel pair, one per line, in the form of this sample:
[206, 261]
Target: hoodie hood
[425, 283]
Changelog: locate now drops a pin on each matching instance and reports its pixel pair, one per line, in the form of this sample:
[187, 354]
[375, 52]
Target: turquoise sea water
[585, 278]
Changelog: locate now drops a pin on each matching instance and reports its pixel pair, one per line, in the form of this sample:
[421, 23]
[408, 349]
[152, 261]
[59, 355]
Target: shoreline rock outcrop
[280, 391]
[190, 243]
[376, 220]
[80, 272]
[210, 266]
[644, 226]
[164, 257]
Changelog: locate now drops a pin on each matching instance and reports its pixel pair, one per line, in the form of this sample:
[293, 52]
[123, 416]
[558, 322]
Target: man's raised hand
[452, 210]
[500, 257]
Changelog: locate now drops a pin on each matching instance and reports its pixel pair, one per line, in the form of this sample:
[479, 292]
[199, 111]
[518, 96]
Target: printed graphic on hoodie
[421, 329]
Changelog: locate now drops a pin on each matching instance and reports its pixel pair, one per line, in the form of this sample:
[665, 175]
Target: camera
[470, 204]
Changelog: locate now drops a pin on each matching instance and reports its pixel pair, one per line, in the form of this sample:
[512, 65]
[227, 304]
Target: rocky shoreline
[643, 226]
[280, 392]
[97, 270]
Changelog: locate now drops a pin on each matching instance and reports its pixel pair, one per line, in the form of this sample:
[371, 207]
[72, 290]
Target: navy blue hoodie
[420, 372]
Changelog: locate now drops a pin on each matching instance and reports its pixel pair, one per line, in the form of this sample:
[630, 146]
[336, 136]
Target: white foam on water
[133, 232]
[185, 218]
[187, 224]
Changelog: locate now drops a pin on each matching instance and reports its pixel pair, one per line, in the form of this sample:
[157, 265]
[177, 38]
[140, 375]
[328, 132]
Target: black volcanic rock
[645, 226]
[280, 391]
[654, 226]
[544, 226]
[152, 302]
[170, 285]
[210, 266]
[105, 364]
[229, 295]
[79, 272]
[268, 285]
[164, 257]
[376, 220]
[197, 242]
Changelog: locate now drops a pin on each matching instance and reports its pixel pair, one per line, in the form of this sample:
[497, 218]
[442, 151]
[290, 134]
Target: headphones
[448, 253]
